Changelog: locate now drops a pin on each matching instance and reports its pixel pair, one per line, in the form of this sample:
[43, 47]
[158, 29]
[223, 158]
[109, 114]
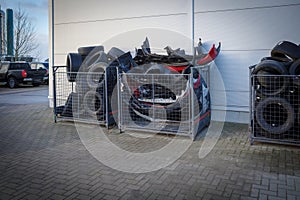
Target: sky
[37, 11]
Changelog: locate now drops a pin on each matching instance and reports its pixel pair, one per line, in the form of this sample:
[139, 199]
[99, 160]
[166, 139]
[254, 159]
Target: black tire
[74, 61]
[12, 82]
[96, 74]
[93, 102]
[275, 115]
[114, 53]
[85, 51]
[295, 70]
[286, 62]
[267, 77]
[286, 51]
[36, 84]
[298, 114]
[94, 57]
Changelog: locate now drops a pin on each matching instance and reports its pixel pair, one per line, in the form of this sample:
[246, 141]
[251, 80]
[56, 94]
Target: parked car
[42, 65]
[15, 73]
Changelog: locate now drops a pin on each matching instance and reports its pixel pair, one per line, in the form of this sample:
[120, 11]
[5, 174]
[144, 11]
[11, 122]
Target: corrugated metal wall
[247, 30]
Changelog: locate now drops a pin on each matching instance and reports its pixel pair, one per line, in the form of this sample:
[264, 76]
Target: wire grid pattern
[275, 108]
[82, 100]
[150, 103]
[160, 103]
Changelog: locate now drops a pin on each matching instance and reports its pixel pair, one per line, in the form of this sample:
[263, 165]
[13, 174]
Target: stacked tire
[91, 69]
[275, 85]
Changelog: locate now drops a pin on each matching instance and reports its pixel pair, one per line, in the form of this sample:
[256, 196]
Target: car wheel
[36, 84]
[12, 82]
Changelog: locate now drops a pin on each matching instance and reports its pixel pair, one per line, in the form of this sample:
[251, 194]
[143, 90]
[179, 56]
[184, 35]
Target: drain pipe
[193, 31]
[51, 50]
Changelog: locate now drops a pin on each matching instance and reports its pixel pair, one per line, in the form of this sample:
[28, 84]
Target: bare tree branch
[25, 35]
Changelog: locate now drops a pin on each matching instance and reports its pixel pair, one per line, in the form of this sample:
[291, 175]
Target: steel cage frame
[191, 130]
[259, 134]
[62, 89]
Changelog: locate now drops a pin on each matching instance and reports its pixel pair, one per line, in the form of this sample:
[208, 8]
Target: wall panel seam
[125, 18]
[248, 8]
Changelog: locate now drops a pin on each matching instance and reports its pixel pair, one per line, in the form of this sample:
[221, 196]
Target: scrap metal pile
[95, 74]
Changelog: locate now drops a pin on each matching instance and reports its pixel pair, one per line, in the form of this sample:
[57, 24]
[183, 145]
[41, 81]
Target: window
[4, 67]
[17, 66]
[40, 66]
[33, 65]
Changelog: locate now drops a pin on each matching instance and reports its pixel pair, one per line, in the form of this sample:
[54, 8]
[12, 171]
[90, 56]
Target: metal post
[153, 95]
[106, 100]
[192, 103]
[193, 25]
[119, 100]
[54, 92]
[251, 106]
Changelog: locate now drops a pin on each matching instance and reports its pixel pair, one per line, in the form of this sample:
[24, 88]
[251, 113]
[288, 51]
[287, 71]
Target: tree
[24, 35]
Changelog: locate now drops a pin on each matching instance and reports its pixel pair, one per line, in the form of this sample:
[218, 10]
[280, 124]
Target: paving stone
[48, 161]
[291, 197]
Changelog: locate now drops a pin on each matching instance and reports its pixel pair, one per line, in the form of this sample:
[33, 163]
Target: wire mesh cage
[81, 100]
[173, 103]
[164, 103]
[274, 108]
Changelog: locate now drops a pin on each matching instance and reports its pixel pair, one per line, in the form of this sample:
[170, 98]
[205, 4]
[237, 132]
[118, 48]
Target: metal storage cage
[146, 102]
[83, 100]
[177, 103]
[274, 108]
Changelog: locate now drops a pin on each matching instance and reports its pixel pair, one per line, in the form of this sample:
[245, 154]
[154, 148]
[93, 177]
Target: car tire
[36, 84]
[270, 85]
[286, 62]
[93, 58]
[275, 115]
[74, 61]
[295, 71]
[92, 102]
[114, 53]
[85, 51]
[12, 82]
[96, 74]
[286, 51]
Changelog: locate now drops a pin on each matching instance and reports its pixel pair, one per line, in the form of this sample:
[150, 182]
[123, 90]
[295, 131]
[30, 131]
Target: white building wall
[123, 24]
[247, 30]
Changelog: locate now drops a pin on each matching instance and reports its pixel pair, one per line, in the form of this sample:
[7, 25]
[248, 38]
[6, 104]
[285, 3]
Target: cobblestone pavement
[43, 160]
